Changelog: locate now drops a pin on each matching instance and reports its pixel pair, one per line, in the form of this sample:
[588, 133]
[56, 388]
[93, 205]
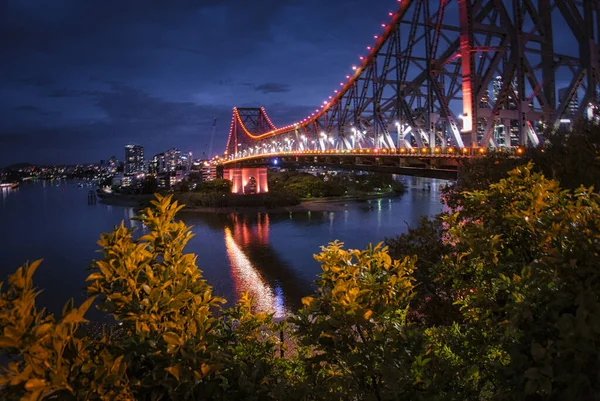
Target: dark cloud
[36, 81]
[58, 93]
[272, 87]
[80, 79]
[27, 108]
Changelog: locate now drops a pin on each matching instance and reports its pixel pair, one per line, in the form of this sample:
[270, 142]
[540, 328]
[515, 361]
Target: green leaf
[537, 351]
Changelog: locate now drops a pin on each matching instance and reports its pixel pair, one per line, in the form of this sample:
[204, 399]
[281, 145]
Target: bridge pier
[247, 180]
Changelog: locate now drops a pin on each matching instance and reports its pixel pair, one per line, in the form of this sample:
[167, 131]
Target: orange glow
[240, 177]
[247, 279]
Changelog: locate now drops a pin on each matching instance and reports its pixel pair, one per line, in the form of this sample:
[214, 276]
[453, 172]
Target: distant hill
[17, 166]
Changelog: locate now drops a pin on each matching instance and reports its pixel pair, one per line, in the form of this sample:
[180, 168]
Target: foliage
[504, 305]
[169, 344]
[268, 200]
[431, 304]
[219, 185]
[572, 158]
[478, 174]
[356, 328]
[305, 185]
[149, 185]
[46, 357]
[523, 272]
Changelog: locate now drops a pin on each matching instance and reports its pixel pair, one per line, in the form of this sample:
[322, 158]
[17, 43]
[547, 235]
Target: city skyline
[86, 79]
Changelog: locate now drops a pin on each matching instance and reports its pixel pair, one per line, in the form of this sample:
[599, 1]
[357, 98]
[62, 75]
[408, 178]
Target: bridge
[459, 75]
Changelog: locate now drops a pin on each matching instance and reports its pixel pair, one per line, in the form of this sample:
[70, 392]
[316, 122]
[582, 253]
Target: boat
[9, 185]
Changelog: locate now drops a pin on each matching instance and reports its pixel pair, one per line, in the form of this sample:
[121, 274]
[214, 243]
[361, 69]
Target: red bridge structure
[443, 80]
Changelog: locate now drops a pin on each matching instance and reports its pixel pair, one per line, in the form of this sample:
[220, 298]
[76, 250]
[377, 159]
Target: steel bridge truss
[497, 61]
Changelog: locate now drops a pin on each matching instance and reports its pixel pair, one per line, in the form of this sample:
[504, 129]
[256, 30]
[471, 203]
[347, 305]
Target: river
[268, 254]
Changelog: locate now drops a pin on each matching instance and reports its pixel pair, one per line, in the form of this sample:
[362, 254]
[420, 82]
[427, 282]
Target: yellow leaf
[8, 342]
[205, 369]
[306, 301]
[33, 384]
[174, 370]
[172, 338]
[94, 276]
[368, 314]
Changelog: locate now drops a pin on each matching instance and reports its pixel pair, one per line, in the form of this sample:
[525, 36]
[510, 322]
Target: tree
[478, 174]
[515, 269]
[356, 329]
[572, 158]
[219, 185]
[169, 344]
[524, 273]
[149, 185]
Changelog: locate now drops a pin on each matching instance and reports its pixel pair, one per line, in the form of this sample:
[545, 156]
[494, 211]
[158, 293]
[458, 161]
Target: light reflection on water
[269, 255]
[247, 279]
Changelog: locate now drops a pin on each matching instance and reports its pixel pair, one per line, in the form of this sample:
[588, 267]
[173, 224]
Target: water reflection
[257, 268]
[6, 192]
[270, 255]
[248, 279]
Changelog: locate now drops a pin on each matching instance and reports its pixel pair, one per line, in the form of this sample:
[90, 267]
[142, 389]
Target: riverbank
[330, 204]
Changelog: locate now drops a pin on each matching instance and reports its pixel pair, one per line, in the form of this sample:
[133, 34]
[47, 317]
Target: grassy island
[289, 190]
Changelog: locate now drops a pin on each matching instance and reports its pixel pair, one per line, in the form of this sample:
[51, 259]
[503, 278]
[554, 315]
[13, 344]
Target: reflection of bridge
[497, 62]
[256, 268]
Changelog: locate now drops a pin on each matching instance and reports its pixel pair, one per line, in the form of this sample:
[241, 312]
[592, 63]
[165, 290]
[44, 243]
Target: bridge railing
[448, 152]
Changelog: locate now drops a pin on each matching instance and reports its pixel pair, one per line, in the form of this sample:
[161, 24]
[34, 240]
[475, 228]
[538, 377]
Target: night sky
[81, 79]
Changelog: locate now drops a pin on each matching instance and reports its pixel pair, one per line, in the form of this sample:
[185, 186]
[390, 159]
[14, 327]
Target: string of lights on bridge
[380, 40]
[437, 152]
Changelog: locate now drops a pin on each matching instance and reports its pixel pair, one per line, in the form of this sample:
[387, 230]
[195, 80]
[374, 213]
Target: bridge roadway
[425, 162]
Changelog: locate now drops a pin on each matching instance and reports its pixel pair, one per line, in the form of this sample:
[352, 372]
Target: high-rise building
[497, 86]
[573, 103]
[186, 161]
[134, 159]
[158, 164]
[172, 159]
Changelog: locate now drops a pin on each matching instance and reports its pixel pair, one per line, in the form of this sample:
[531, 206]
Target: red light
[376, 37]
[391, 14]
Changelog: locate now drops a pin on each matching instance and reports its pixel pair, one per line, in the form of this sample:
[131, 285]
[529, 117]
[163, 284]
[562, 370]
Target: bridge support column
[247, 180]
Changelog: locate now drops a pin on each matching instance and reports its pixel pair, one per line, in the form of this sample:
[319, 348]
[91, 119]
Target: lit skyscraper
[173, 159]
[134, 159]
[573, 103]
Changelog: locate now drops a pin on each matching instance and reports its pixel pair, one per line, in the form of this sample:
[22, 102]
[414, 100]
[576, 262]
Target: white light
[565, 120]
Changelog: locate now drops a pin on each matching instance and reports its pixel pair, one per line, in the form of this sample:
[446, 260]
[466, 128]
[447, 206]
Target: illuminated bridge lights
[372, 134]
